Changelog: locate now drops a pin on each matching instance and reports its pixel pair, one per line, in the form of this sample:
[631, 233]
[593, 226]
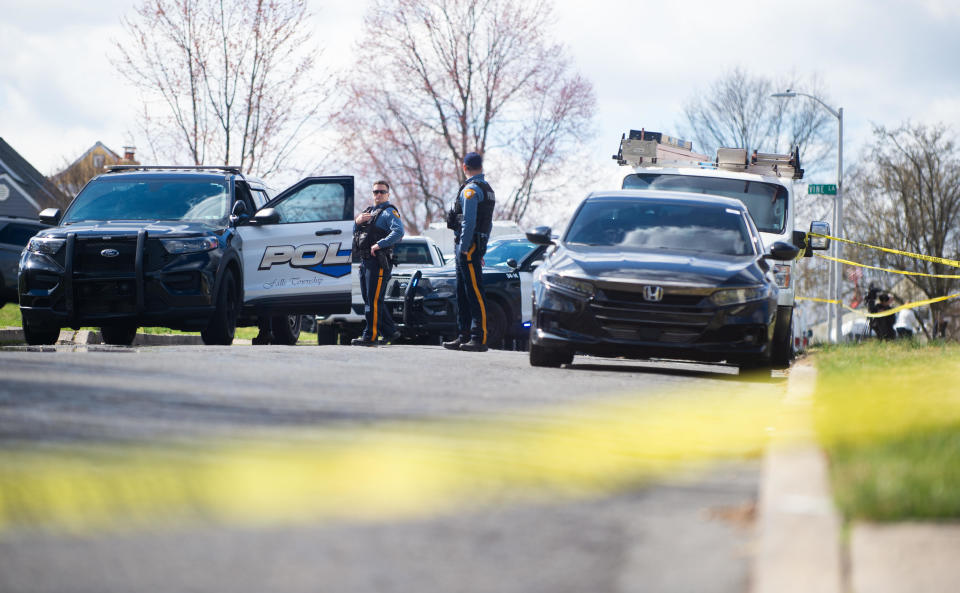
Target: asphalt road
[683, 531]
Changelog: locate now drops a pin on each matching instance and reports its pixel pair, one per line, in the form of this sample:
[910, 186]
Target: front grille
[113, 296]
[397, 286]
[89, 258]
[625, 315]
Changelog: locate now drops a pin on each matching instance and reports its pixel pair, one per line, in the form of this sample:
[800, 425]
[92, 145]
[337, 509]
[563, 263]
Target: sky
[883, 61]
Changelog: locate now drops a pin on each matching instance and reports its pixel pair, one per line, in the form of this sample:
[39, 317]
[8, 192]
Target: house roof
[83, 156]
[33, 186]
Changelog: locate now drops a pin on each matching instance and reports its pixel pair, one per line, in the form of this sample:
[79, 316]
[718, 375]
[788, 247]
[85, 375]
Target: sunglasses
[379, 191]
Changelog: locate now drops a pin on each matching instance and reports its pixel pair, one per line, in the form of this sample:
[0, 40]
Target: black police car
[646, 274]
[181, 247]
[424, 302]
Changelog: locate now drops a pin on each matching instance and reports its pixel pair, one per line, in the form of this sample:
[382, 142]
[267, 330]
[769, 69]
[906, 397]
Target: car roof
[666, 196]
[185, 173]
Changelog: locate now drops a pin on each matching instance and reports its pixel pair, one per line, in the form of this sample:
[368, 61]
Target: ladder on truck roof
[653, 149]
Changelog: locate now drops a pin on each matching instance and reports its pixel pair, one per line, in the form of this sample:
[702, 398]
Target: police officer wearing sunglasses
[376, 230]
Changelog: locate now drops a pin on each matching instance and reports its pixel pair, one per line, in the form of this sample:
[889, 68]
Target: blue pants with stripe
[471, 298]
[373, 287]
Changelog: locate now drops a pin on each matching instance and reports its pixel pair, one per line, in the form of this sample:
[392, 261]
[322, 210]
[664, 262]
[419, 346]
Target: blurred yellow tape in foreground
[390, 471]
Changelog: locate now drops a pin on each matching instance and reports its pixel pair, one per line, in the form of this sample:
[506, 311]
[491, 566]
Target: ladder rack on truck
[654, 149]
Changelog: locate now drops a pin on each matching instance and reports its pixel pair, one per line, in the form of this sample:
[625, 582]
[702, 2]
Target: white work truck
[762, 181]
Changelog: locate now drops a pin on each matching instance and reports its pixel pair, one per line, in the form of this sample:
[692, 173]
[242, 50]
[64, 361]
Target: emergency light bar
[654, 149]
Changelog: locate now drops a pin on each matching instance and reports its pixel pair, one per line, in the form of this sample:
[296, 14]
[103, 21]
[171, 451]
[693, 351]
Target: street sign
[829, 189]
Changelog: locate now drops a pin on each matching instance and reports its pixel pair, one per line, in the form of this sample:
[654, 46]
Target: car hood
[668, 268]
[132, 227]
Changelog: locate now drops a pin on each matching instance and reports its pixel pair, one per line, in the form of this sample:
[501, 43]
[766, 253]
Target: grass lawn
[10, 317]
[888, 415]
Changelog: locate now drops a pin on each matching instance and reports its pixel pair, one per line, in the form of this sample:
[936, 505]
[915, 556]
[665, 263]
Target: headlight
[176, 246]
[575, 285]
[781, 273]
[45, 245]
[438, 288]
[554, 300]
[731, 296]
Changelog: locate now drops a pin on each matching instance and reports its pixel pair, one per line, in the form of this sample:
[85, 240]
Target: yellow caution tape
[391, 470]
[886, 313]
[892, 271]
[930, 258]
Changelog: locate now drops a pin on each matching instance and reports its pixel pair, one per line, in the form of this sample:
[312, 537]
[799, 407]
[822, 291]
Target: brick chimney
[128, 152]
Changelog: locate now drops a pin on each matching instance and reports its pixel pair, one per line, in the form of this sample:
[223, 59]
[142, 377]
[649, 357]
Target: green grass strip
[888, 415]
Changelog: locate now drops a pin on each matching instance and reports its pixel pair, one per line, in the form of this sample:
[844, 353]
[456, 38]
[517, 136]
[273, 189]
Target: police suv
[190, 248]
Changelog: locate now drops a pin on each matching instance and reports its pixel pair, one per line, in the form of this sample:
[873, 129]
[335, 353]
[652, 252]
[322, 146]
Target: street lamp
[835, 276]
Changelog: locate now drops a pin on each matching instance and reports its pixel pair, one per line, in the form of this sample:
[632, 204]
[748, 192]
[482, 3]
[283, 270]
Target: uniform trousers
[373, 286]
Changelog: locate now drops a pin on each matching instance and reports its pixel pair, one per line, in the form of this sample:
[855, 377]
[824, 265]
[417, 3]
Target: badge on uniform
[469, 193]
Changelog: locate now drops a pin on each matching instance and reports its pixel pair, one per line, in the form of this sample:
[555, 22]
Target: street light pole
[834, 322]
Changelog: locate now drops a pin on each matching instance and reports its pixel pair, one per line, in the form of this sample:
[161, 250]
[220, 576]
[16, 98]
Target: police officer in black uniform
[376, 230]
[471, 218]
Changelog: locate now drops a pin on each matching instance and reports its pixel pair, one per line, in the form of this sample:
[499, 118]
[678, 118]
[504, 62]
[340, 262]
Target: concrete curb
[89, 337]
[799, 547]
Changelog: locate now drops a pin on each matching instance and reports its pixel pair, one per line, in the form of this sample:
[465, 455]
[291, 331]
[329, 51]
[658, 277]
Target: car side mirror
[239, 212]
[782, 251]
[512, 263]
[820, 228]
[266, 216]
[50, 216]
[540, 236]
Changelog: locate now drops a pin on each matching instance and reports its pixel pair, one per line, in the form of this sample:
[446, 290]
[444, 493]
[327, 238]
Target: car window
[18, 234]
[316, 202]
[412, 253]
[151, 199]
[500, 251]
[260, 198]
[766, 202]
[649, 224]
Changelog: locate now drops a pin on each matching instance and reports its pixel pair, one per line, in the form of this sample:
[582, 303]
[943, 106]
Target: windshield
[766, 202]
[651, 224]
[500, 251]
[151, 199]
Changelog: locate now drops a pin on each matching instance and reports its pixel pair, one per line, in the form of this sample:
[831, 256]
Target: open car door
[296, 249]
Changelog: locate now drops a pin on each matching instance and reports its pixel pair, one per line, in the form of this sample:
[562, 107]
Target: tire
[286, 329]
[543, 356]
[496, 324]
[326, 335]
[781, 350]
[223, 323]
[35, 335]
[119, 335]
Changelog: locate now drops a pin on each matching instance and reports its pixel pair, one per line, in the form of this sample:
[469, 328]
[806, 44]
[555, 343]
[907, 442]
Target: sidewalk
[801, 547]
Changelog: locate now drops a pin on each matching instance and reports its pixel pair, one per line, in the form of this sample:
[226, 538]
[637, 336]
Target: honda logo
[109, 253]
[654, 294]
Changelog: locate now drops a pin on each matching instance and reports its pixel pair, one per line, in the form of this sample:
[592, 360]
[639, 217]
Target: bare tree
[906, 195]
[737, 111]
[225, 81]
[435, 79]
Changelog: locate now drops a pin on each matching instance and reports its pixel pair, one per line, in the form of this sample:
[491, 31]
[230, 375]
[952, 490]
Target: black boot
[474, 345]
[455, 344]
[362, 342]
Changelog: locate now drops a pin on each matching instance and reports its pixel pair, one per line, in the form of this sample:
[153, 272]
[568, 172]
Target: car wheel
[223, 324]
[40, 335]
[543, 356]
[326, 335]
[286, 329]
[496, 324]
[119, 335]
[782, 347]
